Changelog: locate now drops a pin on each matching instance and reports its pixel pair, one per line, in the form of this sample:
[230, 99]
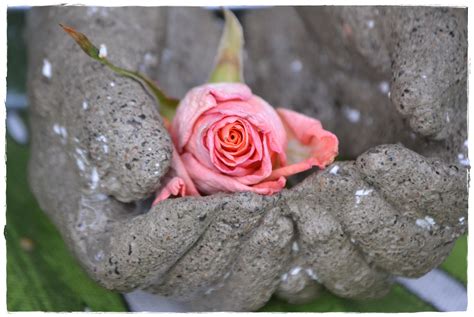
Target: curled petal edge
[308, 144]
[178, 181]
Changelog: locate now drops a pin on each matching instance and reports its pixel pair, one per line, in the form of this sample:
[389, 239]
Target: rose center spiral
[236, 146]
[232, 135]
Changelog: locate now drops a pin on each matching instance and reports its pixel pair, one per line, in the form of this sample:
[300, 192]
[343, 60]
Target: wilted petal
[199, 100]
[174, 187]
[179, 184]
[209, 181]
[308, 144]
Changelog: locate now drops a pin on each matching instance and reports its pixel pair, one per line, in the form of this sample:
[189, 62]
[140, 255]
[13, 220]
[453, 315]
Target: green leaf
[398, 300]
[42, 275]
[456, 263]
[167, 104]
[228, 61]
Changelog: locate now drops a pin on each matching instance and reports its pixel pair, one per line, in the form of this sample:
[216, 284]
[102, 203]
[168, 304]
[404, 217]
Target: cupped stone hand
[99, 151]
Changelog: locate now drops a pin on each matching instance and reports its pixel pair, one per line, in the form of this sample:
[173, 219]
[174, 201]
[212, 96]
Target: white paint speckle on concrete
[103, 139]
[361, 192]
[150, 58]
[430, 220]
[47, 69]
[312, 274]
[209, 291]
[85, 105]
[295, 270]
[112, 84]
[422, 223]
[63, 132]
[353, 115]
[99, 255]
[370, 24]
[384, 87]
[295, 247]
[463, 160]
[334, 170]
[94, 178]
[80, 164]
[296, 66]
[426, 223]
[57, 129]
[102, 51]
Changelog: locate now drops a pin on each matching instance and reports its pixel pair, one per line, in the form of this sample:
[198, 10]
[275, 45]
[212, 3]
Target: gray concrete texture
[390, 82]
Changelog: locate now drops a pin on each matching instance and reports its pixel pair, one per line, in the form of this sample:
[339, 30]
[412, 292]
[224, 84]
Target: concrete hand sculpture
[100, 150]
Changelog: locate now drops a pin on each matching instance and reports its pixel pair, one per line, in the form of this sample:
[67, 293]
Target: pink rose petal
[259, 113]
[197, 101]
[179, 184]
[209, 181]
[308, 144]
[175, 187]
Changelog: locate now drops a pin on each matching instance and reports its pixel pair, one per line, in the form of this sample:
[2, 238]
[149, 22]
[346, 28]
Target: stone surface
[390, 82]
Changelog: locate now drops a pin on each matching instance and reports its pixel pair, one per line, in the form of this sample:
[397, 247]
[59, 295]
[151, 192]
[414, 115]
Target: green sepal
[228, 66]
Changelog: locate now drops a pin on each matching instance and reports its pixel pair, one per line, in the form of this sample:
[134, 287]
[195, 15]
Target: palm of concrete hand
[99, 150]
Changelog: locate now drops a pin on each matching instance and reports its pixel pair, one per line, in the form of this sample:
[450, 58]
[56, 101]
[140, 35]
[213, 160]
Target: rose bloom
[227, 139]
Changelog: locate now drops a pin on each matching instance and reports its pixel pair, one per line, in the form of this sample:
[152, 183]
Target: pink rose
[228, 140]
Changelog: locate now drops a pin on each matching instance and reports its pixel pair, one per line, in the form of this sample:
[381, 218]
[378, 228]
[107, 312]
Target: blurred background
[42, 275]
